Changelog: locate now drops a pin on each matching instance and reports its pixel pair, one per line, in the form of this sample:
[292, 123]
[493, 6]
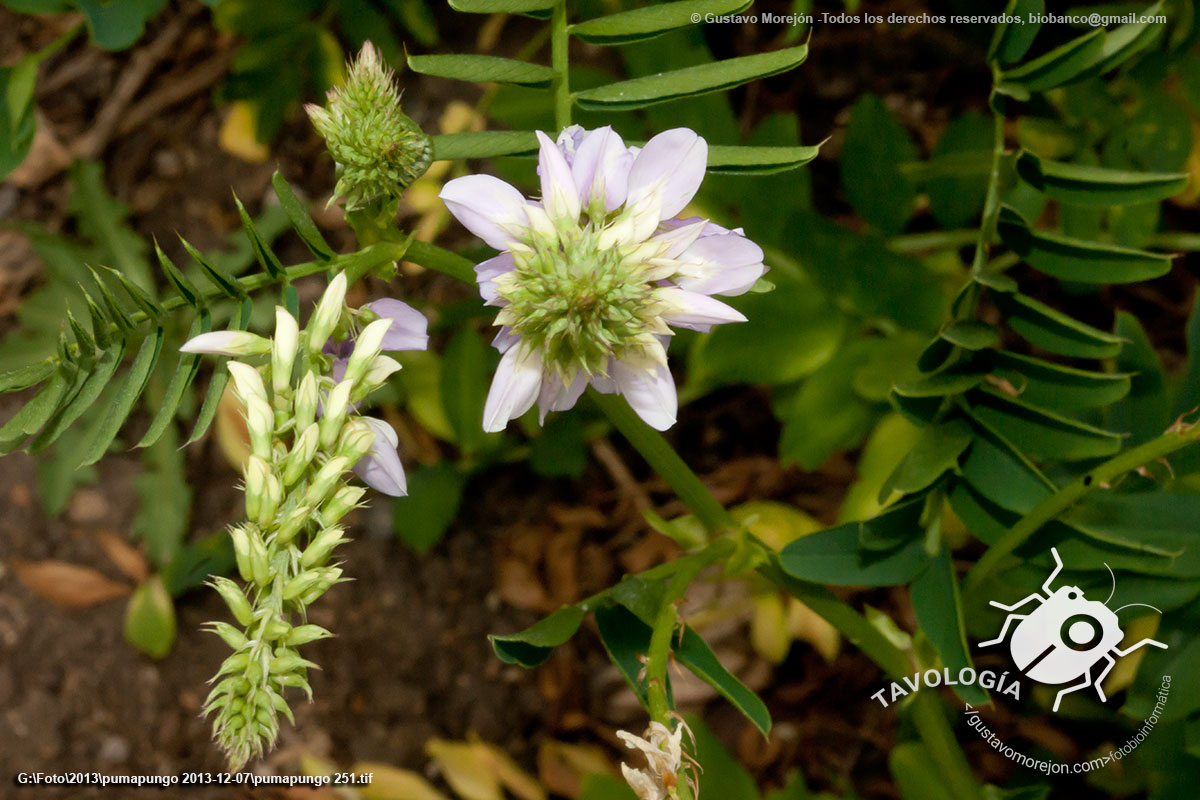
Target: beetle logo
[1066, 636]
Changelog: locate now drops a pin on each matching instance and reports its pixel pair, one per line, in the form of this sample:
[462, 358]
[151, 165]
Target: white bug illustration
[1062, 639]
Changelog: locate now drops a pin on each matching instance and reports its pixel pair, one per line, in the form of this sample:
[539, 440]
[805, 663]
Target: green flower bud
[378, 150]
[366, 347]
[292, 524]
[345, 499]
[303, 634]
[233, 598]
[304, 410]
[303, 450]
[229, 634]
[337, 405]
[325, 479]
[272, 497]
[241, 551]
[301, 584]
[356, 441]
[321, 546]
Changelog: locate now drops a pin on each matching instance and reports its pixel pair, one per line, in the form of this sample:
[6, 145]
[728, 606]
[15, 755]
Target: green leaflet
[301, 221]
[536, 8]
[220, 376]
[165, 503]
[1097, 186]
[937, 603]
[181, 378]
[626, 640]
[836, 556]
[483, 144]
[1125, 42]
[1004, 475]
[533, 645]
[34, 414]
[29, 375]
[435, 493]
[954, 380]
[265, 255]
[483, 69]
[650, 21]
[971, 335]
[695, 654]
[228, 285]
[876, 145]
[150, 619]
[1053, 330]
[917, 774]
[187, 290]
[87, 394]
[740, 160]
[936, 451]
[1078, 260]
[1041, 433]
[1055, 68]
[109, 424]
[464, 387]
[1011, 42]
[1145, 412]
[1055, 386]
[690, 81]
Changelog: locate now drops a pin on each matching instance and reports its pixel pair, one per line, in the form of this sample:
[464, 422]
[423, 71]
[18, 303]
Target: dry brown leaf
[128, 559]
[466, 769]
[515, 779]
[68, 585]
[393, 783]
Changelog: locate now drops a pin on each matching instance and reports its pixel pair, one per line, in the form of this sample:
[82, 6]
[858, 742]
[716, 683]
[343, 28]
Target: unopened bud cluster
[305, 437]
[378, 150]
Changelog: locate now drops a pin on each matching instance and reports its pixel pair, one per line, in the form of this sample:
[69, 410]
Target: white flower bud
[382, 367]
[272, 498]
[304, 409]
[337, 404]
[247, 381]
[327, 314]
[227, 343]
[358, 438]
[256, 481]
[283, 349]
[260, 422]
[303, 450]
[241, 550]
[366, 347]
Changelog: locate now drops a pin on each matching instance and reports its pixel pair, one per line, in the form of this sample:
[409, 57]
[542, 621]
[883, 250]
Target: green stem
[435, 258]
[660, 639]
[929, 718]
[1054, 505]
[559, 39]
[665, 461]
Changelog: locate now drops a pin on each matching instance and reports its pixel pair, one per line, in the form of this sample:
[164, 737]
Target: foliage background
[135, 128]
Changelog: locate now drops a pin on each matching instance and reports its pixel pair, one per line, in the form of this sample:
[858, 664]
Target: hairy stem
[1178, 437]
[559, 39]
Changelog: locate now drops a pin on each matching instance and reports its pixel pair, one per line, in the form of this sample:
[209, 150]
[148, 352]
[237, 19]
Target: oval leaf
[483, 69]
[646, 23]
